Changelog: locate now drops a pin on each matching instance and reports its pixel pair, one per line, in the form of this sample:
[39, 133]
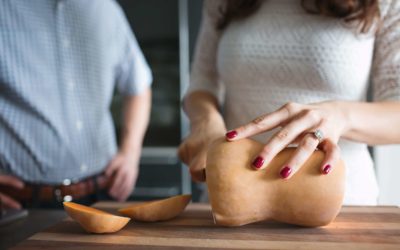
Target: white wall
[387, 160]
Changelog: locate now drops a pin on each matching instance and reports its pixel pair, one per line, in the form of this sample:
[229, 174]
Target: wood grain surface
[354, 228]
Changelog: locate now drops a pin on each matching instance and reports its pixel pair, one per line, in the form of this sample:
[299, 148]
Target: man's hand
[125, 165]
[11, 181]
[125, 169]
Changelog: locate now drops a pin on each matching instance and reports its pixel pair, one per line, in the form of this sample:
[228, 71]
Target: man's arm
[136, 119]
[125, 165]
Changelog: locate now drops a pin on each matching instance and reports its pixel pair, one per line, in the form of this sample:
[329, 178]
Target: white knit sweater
[281, 54]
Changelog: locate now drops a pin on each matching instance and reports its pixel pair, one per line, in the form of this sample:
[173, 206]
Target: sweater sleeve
[204, 73]
[386, 63]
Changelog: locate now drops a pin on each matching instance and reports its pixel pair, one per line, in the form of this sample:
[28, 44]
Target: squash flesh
[94, 220]
[159, 210]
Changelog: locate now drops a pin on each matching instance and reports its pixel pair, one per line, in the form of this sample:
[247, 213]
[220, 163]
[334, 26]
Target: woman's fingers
[281, 139]
[258, 125]
[332, 155]
[197, 167]
[264, 123]
[304, 151]
[183, 152]
[306, 147]
[193, 152]
[296, 120]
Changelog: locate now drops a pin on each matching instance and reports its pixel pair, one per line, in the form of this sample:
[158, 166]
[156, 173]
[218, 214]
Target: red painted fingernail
[327, 169]
[285, 172]
[258, 162]
[231, 134]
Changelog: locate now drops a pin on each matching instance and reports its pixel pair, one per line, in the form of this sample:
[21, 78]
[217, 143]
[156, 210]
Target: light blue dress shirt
[60, 61]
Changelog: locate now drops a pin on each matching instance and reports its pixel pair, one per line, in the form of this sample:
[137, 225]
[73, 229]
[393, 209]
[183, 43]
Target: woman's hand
[193, 149]
[297, 122]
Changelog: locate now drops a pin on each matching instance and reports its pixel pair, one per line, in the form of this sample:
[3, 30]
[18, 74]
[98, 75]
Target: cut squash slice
[159, 210]
[94, 220]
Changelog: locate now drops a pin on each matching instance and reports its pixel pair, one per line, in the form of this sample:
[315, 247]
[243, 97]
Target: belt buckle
[58, 193]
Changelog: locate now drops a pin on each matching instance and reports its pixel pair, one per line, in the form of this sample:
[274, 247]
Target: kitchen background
[162, 30]
[166, 31]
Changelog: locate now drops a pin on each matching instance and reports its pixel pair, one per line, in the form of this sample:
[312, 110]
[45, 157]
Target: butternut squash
[240, 195]
[159, 210]
[94, 220]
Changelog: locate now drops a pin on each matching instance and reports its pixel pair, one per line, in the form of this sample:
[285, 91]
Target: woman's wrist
[201, 108]
[342, 113]
[349, 115]
[207, 119]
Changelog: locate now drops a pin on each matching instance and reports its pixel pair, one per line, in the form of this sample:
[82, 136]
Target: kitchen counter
[354, 228]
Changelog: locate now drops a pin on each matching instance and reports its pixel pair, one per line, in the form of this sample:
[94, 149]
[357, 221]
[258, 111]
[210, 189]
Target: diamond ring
[318, 134]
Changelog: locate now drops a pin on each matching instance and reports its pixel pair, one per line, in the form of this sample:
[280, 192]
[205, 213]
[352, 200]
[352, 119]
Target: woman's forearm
[202, 107]
[371, 123]
[206, 125]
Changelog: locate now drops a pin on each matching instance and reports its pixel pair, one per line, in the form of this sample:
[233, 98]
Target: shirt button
[71, 85]
[66, 182]
[67, 198]
[79, 125]
[84, 168]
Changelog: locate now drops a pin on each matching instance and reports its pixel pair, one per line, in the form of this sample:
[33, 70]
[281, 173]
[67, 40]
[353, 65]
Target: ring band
[318, 134]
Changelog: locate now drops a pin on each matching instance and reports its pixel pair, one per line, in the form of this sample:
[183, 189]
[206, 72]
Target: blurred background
[162, 30]
[166, 31]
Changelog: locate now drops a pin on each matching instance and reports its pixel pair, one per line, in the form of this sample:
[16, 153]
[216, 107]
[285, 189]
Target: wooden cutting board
[354, 228]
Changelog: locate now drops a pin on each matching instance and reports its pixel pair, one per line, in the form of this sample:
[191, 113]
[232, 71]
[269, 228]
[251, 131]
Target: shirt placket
[74, 120]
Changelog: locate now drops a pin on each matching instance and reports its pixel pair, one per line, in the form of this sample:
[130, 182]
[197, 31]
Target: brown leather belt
[63, 192]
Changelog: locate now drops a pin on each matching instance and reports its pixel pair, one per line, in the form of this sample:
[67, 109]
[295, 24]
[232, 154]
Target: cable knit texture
[281, 54]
